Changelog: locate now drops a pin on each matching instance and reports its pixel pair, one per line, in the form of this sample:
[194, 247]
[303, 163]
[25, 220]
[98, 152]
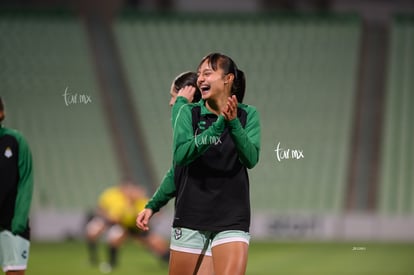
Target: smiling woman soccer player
[215, 141]
[182, 93]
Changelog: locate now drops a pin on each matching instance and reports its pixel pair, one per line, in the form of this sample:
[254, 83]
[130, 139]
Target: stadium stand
[397, 174]
[301, 75]
[44, 56]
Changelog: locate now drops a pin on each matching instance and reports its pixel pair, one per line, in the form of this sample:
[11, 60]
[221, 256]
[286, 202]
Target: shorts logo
[177, 233]
[24, 254]
[8, 153]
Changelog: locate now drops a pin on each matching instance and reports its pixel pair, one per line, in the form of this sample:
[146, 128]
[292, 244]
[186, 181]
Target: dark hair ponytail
[239, 85]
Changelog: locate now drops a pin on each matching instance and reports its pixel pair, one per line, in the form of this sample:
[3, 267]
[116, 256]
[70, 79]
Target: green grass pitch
[265, 258]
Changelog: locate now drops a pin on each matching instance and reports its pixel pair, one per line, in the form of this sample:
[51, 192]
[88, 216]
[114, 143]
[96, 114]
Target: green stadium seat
[397, 174]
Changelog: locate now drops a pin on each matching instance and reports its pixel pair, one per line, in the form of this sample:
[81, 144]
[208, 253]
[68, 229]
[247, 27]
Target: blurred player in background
[117, 209]
[16, 188]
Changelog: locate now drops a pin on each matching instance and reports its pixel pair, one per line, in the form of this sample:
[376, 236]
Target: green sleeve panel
[164, 193]
[247, 139]
[180, 101]
[166, 190]
[24, 188]
[187, 146]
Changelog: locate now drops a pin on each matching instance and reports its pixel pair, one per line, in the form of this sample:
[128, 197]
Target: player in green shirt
[16, 184]
[202, 263]
[215, 141]
[182, 92]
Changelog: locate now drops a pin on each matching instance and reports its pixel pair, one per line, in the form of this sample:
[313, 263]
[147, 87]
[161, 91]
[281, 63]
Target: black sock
[166, 256]
[93, 255]
[113, 256]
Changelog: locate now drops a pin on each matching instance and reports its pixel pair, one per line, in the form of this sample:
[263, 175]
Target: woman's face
[211, 83]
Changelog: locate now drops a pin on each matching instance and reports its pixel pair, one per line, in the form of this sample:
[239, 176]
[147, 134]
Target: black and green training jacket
[166, 191]
[16, 182]
[211, 156]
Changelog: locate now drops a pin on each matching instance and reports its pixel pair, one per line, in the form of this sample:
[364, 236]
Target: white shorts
[14, 251]
[201, 242]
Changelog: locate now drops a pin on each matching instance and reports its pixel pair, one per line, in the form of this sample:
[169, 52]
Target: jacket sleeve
[187, 146]
[164, 193]
[166, 190]
[179, 102]
[247, 139]
[24, 188]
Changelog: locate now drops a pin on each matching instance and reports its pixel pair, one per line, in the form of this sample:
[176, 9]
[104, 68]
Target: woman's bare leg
[182, 263]
[230, 258]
